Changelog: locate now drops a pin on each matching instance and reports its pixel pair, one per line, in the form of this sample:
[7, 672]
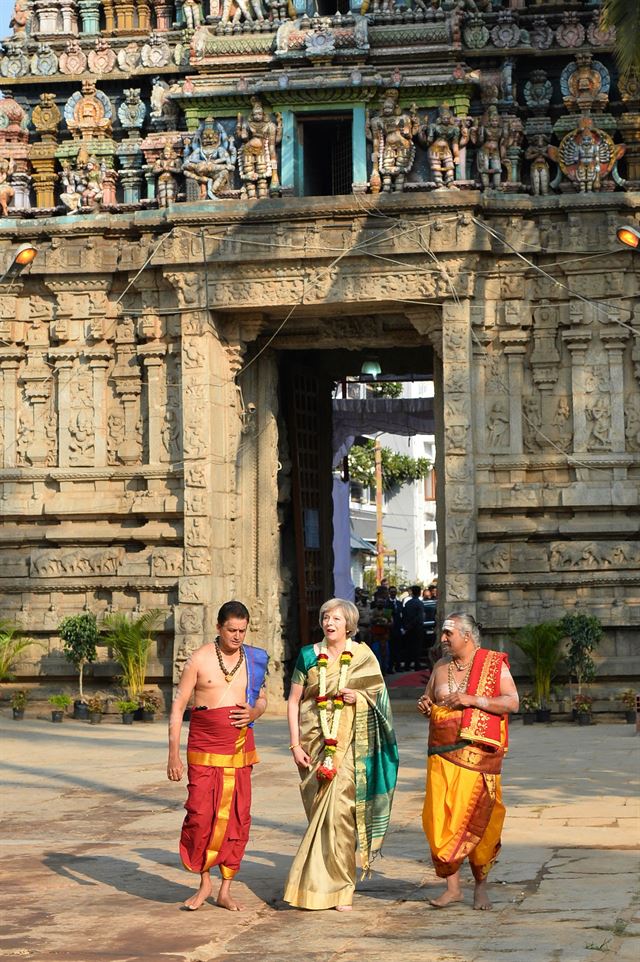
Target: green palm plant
[624, 16]
[12, 644]
[130, 640]
[541, 646]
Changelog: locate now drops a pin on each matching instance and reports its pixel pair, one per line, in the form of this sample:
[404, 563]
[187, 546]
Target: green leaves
[624, 15]
[397, 469]
[12, 644]
[130, 640]
[540, 644]
[584, 633]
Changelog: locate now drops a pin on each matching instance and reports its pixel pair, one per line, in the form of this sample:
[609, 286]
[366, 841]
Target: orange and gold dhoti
[220, 758]
[463, 812]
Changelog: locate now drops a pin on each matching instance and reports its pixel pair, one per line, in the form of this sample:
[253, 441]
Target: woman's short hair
[349, 611]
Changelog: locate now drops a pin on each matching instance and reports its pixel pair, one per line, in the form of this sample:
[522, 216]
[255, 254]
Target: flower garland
[327, 771]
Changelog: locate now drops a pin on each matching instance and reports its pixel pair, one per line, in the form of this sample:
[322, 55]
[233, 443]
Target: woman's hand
[301, 758]
[349, 696]
[425, 705]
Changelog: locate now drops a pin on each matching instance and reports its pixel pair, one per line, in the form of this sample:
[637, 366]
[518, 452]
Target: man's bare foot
[447, 898]
[481, 900]
[224, 900]
[344, 908]
[203, 893]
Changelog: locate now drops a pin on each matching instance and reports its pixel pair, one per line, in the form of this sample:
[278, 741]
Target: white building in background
[409, 514]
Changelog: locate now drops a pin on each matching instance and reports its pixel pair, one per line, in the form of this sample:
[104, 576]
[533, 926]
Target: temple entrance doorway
[330, 405]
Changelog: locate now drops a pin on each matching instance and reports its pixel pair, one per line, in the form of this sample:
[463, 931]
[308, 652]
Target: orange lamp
[629, 236]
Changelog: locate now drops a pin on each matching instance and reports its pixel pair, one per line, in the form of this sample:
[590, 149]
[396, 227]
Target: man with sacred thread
[228, 678]
[467, 700]
[342, 741]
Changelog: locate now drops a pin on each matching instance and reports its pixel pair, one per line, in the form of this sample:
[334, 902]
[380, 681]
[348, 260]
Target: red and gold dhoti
[220, 758]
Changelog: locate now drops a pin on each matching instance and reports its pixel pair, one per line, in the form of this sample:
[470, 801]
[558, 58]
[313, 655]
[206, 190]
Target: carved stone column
[10, 358]
[144, 15]
[99, 361]
[69, 16]
[164, 14]
[64, 359]
[459, 493]
[46, 12]
[44, 174]
[152, 355]
[614, 339]
[128, 387]
[577, 341]
[90, 15]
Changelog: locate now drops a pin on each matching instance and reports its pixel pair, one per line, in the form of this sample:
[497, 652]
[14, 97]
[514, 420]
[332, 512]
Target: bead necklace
[228, 674]
[327, 771]
[453, 685]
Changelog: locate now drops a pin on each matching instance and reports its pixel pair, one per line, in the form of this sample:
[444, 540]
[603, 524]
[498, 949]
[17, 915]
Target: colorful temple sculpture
[218, 189]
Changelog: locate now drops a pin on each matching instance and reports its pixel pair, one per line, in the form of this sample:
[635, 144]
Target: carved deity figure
[167, 166]
[498, 425]
[587, 155]
[72, 186]
[192, 13]
[391, 133]
[537, 153]
[237, 10]
[489, 135]
[7, 192]
[257, 159]
[443, 140]
[21, 16]
[599, 413]
[210, 159]
[81, 441]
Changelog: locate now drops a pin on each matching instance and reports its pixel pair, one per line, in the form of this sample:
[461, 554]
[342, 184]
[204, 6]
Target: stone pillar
[44, 175]
[164, 14]
[21, 183]
[90, 15]
[99, 360]
[459, 493]
[110, 16]
[64, 358]
[359, 150]
[10, 358]
[577, 341]
[126, 377]
[46, 12]
[614, 339]
[153, 359]
[144, 15]
[69, 16]
[515, 360]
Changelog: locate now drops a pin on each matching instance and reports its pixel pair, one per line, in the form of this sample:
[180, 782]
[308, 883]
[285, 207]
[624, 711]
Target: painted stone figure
[443, 140]
[588, 155]
[537, 153]
[7, 193]
[235, 11]
[211, 159]
[167, 166]
[489, 136]
[391, 133]
[257, 159]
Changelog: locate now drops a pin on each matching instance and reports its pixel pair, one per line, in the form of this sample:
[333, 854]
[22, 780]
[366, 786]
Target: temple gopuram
[236, 201]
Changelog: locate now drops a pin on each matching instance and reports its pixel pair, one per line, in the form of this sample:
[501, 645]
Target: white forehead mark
[449, 625]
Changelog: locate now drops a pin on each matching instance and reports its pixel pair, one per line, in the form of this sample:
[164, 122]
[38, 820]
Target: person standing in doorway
[228, 678]
[413, 629]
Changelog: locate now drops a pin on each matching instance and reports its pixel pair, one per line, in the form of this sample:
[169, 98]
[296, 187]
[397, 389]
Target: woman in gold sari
[343, 743]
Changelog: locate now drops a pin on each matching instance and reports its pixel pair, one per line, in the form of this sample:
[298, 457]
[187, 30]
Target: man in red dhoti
[467, 700]
[227, 678]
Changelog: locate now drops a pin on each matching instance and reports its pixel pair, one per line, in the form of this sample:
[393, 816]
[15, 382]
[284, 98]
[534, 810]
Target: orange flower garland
[327, 771]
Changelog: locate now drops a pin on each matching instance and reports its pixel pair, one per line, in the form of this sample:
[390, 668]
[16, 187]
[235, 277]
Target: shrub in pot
[95, 705]
[12, 644]
[150, 703]
[130, 640]
[584, 633]
[59, 702]
[528, 709]
[80, 635]
[582, 704]
[628, 699]
[18, 703]
[127, 710]
[540, 645]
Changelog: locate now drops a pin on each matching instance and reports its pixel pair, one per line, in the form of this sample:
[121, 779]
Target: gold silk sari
[355, 804]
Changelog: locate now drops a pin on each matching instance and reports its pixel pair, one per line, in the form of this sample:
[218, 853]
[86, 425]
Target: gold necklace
[228, 675]
[454, 686]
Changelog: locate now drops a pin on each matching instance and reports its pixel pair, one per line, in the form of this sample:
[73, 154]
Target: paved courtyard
[89, 870]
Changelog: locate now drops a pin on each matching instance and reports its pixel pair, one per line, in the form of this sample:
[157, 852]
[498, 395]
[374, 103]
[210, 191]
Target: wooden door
[308, 407]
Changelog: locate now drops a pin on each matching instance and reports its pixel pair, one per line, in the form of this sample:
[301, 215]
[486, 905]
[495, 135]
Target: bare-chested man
[467, 700]
[227, 678]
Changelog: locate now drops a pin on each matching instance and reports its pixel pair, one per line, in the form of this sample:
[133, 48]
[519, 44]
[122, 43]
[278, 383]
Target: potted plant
[150, 703]
[127, 709]
[59, 702]
[559, 697]
[130, 640]
[528, 708]
[540, 644]
[582, 704]
[628, 698]
[584, 633]
[80, 635]
[12, 644]
[18, 702]
[96, 707]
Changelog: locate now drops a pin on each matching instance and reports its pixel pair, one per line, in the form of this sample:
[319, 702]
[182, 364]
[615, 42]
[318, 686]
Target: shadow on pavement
[120, 874]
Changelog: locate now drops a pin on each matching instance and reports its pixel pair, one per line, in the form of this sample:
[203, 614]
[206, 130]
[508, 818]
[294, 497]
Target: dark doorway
[327, 8]
[327, 154]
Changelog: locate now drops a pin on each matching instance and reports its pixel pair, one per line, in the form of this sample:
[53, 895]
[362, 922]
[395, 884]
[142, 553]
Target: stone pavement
[89, 870]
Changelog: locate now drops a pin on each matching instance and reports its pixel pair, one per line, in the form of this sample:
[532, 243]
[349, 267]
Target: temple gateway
[236, 201]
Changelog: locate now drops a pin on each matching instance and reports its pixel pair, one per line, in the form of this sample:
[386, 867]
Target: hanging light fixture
[371, 367]
[629, 236]
[25, 255]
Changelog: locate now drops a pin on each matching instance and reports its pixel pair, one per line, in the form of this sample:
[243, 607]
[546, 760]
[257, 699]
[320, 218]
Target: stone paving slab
[89, 870]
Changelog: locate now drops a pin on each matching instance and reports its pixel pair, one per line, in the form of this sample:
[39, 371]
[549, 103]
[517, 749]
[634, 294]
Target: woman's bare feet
[203, 893]
[224, 900]
[344, 908]
[481, 901]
